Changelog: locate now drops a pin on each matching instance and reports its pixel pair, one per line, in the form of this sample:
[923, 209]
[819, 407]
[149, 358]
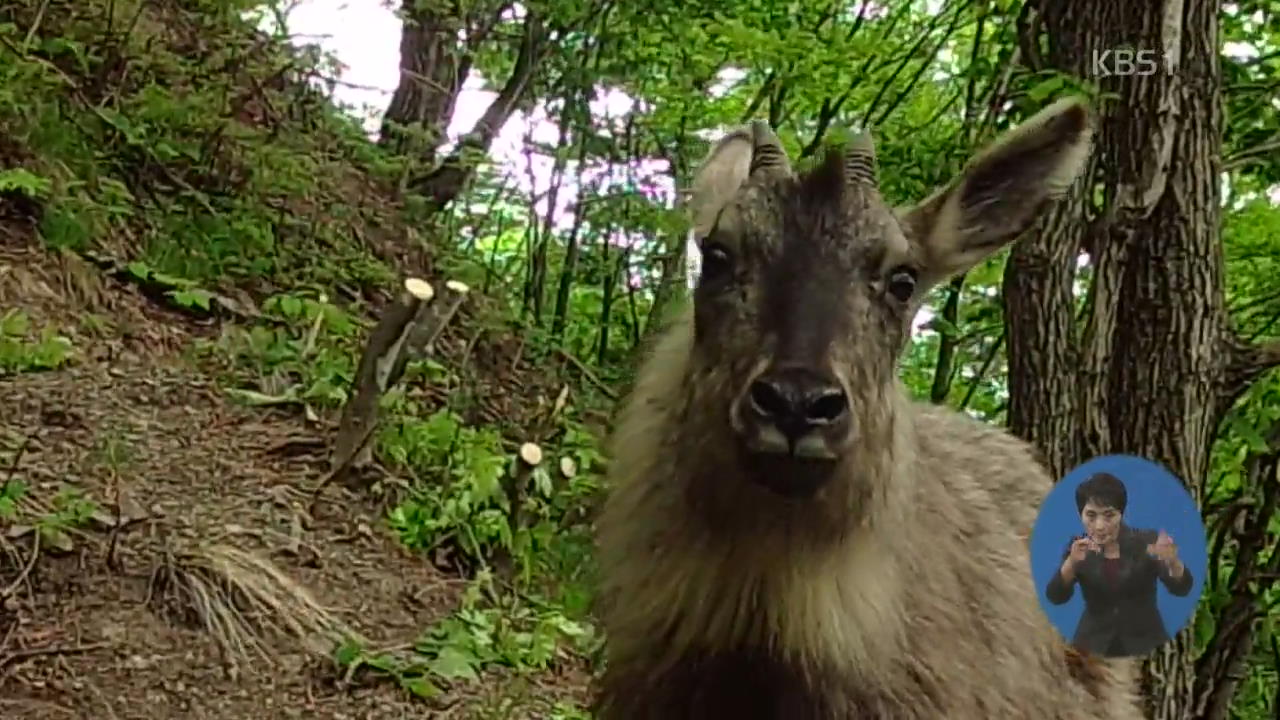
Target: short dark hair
[1103, 489]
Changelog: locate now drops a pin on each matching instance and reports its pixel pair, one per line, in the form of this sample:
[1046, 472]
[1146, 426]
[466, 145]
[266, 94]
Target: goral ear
[1002, 191]
[748, 151]
[718, 179]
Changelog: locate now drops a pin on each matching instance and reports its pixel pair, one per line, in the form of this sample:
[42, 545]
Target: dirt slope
[80, 638]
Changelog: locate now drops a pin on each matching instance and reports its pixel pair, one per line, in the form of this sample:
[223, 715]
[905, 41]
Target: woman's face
[1101, 522]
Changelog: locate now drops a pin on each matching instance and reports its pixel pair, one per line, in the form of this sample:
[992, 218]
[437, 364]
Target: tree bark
[434, 62]
[673, 280]
[569, 268]
[1158, 364]
[446, 180]
[433, 67]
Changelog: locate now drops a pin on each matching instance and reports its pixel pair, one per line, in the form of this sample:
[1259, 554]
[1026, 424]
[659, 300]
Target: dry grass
[244, 602]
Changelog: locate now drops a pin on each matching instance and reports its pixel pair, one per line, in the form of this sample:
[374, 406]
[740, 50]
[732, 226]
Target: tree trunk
[947, 340]
[568, 270]
[433, 67]
[442, 183]
[541, 259]
[1157, 365]
[673, 280]
[606, 301]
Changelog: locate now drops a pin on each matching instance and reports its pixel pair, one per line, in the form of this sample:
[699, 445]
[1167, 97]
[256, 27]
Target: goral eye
[902, 283]
[716, 260]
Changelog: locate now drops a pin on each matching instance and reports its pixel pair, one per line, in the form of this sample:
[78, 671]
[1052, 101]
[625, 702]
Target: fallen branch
[30, 706]
[17, 655]
[589, 375]
[8, 634]
[26, 571]
[13, 466]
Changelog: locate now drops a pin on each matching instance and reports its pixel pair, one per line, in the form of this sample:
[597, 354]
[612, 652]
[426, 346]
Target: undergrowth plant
[301, 350]
[463, 492]
[198, 183]
[53, 520]
[19, 352]
[490, 629]
[244, 196]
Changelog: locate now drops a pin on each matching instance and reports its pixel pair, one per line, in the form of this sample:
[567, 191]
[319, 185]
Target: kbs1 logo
[1127, 61]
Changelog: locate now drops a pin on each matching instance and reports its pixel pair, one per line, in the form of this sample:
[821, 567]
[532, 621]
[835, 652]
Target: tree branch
[443, 184]
[947, 341]
[982, 372]
[1247, 522]
[829, 109]
[1251, 155]
[924, 37]
[766, 87]
[924, 65]
[1247, 362]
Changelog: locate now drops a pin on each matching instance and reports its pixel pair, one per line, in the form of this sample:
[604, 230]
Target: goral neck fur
[724, 563]
[676, 584]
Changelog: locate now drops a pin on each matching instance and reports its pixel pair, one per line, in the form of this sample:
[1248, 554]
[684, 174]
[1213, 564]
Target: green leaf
[139, 270]
[291, 306]
[15, 323]
[452, 663]
[1045, 89]
[420, 686]
[194, 297]
[347, 653]
[24, 182]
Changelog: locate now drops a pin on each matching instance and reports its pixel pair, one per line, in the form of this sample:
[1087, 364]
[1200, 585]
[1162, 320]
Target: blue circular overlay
[1156, 501]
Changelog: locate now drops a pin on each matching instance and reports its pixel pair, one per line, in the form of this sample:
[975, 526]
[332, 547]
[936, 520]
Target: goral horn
[860, 160]
[766, 150]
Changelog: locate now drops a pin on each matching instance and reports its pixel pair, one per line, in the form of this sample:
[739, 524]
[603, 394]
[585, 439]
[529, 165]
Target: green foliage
[468, 503]
[48, 351]
[301, 350]
[181, 291]
[71, 509]
[488, 630]
[1252, 419]
[464, 493]
[10, 493]
[192, 177]
[23, 182]
[53, 522]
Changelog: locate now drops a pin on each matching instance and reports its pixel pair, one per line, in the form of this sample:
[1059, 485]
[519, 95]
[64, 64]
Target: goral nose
[797, 400]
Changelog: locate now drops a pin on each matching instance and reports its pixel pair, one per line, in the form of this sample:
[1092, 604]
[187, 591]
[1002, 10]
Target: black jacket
[1125, 614]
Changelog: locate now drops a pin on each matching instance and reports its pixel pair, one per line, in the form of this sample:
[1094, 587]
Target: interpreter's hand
[1080, 550]
[1164, 549]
